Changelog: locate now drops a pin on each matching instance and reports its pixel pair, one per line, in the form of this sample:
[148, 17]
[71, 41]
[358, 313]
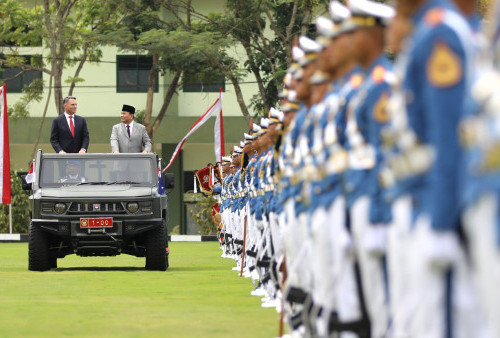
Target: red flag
[30, 177]
[219, 134]
[4, 146]
[216, 107]
[204, 175]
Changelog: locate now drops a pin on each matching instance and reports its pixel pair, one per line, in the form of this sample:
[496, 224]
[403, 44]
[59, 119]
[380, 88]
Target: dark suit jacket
[60, 135]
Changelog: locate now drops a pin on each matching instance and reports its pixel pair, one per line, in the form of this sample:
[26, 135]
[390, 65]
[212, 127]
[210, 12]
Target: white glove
[375, 239]
[440, 248]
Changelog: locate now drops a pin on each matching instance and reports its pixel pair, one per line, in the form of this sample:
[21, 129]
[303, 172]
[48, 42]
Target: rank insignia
[380, 112]
[444, 68]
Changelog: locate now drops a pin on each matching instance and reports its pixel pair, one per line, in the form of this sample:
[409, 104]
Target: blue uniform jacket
[436, 83]
[371, 116]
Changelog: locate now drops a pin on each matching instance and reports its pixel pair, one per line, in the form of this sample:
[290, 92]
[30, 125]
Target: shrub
[20, 208]
[201, 213]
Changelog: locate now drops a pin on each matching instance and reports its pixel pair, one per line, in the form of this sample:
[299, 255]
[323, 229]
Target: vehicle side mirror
[26, 186]
[169, 181]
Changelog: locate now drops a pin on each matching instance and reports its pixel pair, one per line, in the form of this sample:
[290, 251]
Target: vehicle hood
[97, 191]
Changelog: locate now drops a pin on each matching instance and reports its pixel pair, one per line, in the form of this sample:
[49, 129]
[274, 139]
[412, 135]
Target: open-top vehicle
[97, 205]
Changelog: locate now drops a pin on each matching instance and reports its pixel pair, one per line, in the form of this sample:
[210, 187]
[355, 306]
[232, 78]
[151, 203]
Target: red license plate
[106, 222]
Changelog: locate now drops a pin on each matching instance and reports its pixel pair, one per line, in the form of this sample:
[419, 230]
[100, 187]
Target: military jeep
[97, 205]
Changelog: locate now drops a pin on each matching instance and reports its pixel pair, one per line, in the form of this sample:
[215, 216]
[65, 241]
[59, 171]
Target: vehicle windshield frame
[97, 169]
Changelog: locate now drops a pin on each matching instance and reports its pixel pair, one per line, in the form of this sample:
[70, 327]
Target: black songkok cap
[128, 108]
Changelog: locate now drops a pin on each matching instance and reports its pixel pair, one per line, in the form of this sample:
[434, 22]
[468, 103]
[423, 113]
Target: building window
[204, 82]
[133, 73]
[16, 79]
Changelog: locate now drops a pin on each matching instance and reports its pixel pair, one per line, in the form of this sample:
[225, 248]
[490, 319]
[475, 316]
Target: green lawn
[198, 296]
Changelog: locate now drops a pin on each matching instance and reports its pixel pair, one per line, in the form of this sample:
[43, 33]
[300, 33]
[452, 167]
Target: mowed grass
[198, 296]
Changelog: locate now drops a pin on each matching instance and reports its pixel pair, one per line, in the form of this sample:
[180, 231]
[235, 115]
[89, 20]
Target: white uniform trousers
[372, 273]
[480, 224]
[398, 256]
[427, 300]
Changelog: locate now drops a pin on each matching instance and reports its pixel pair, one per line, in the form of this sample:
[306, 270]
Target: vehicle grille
[90, 208]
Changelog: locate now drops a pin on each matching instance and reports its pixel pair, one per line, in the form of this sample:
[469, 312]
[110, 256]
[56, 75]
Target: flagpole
[10, 218]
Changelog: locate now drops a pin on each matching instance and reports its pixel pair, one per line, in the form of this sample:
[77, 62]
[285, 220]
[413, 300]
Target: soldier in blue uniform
[235, 210]
[479, 181]
[366, 115]
[271, 202]
[224, 204]
[436, 81]
[334, 280]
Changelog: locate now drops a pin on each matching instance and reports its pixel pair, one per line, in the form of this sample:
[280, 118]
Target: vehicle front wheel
[39, 255]
[156, 249]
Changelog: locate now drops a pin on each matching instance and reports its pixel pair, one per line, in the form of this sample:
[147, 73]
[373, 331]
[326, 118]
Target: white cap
[256, 128]
[309, 45]
[331, 28]
[242, 144]
[338, 12]
[325, 26]
[366, 13]
[264, 123]
[297, 54]
[289, 107]
[237, 150]
[319, 77]
[292, 96]
[226, 159]
[283, 94]
[275, 116]
[310, 48]
[249, 137]
[287, 80]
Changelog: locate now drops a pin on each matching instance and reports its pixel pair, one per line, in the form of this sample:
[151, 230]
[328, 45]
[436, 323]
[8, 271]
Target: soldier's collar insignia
[378, 74]
[434, 17]
[444, 68]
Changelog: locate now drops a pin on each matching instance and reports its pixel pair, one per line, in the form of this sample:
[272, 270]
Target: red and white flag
[4, 146]
[30, 177]
[215, 108]
[219, 134]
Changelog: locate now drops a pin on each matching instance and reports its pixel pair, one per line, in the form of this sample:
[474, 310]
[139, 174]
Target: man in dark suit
[69, 132]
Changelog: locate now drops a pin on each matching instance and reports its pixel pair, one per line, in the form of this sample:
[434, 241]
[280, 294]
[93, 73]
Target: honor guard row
[367, 206]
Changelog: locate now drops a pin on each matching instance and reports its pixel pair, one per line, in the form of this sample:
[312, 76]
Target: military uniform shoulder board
[378, 74]
[380, 111]
[444, 68]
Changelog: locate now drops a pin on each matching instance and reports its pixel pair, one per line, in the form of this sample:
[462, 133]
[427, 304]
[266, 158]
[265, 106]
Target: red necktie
[71, 126]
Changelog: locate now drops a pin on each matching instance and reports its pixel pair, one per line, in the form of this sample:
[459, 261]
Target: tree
[184, 42]
[71, 31]
[176, 43]
[265, 30]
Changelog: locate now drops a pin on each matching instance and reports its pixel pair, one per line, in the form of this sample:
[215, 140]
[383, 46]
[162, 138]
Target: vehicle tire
[39, 254]
[156, 249]
[53, 260]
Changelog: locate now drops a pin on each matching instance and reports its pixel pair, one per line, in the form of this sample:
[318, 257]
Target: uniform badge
[380, 111]
[444, 68]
